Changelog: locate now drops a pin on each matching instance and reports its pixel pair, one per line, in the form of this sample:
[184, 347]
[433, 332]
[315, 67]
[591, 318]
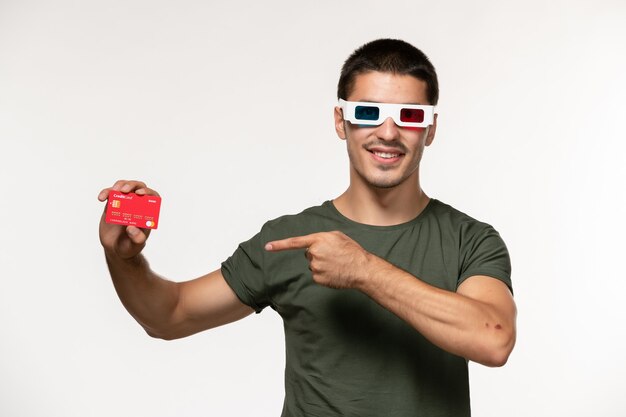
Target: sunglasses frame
[386, 110]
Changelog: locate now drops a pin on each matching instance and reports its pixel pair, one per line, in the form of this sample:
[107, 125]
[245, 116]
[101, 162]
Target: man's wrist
[372, 273]
[135, 261]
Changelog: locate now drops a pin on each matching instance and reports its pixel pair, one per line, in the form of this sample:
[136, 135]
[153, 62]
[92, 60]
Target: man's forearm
[456, 323]
[150, 299]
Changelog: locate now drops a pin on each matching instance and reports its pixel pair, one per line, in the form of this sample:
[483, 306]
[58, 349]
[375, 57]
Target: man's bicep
[207, 302]
[491, 291]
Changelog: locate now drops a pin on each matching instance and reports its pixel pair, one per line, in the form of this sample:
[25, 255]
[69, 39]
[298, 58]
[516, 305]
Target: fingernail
[268, 246]
[131, 232]
[125, 188]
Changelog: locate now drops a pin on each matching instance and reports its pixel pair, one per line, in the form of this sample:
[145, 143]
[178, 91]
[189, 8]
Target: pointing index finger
[298, 242]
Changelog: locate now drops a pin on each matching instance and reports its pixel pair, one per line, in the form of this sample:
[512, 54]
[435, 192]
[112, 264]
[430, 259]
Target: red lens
[412, 115]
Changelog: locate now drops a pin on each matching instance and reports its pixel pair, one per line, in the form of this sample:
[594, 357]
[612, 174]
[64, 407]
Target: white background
[226, 109]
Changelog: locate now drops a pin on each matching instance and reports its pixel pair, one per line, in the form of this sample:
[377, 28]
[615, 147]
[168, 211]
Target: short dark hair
[388, 55]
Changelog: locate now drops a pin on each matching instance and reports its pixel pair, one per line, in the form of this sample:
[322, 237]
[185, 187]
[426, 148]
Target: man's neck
[382, 206]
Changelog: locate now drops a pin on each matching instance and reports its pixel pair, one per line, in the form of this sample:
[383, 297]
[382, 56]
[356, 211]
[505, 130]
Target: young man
[385, 293]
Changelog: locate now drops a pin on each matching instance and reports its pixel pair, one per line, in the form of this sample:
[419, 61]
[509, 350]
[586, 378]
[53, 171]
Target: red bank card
[130, 209]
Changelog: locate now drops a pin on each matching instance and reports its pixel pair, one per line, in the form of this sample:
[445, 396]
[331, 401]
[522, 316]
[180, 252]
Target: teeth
[386, 155]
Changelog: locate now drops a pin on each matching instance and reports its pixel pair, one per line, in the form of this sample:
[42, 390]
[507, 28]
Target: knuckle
[148, 191]
[340, 234]
[314, 267]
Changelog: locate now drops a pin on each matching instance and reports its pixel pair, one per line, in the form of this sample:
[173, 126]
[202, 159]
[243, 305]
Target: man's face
[387, 155]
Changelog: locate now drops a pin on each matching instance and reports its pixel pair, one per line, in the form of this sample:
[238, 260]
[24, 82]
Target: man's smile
[385, 155]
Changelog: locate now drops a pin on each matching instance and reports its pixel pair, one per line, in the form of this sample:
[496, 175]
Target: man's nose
[388, 130]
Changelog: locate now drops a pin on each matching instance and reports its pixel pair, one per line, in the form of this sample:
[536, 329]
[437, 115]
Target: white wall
[530, 139]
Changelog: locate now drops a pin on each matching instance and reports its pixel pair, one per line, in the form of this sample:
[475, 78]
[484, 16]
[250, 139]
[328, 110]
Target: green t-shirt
[345, 354]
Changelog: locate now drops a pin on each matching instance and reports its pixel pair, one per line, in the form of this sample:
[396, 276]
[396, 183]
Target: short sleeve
[483, 252]
[244, 273]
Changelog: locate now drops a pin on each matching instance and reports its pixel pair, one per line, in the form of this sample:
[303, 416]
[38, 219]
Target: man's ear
[431, 131]
[340, 126]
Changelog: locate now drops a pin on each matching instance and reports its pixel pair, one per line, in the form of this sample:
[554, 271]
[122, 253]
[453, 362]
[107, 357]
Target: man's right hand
[165, 309]
[124, 242]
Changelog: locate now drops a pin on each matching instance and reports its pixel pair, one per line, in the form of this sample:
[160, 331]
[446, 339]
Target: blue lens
[366, 112]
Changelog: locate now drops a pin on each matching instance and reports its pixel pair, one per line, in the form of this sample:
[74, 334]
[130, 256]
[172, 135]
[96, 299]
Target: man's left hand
[335, 260]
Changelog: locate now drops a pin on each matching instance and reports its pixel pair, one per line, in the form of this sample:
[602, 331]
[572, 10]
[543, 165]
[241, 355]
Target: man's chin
[385, 184]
